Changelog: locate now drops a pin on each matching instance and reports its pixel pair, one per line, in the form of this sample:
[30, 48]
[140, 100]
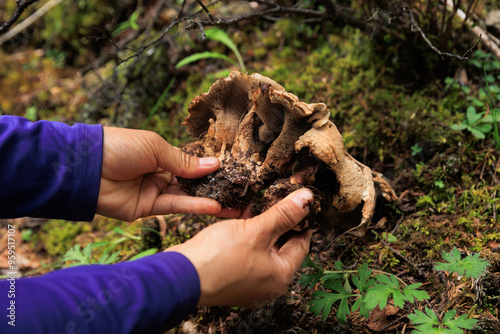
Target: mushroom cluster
[269, 144]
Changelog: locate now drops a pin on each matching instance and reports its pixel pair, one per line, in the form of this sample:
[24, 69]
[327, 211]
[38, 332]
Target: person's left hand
[138, 180]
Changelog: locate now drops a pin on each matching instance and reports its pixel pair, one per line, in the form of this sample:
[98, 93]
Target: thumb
[179, 163]
[286, 214]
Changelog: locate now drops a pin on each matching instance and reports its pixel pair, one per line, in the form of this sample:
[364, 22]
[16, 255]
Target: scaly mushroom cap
[268, 141]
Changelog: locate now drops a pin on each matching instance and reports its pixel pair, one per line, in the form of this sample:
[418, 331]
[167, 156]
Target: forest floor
[395, 116]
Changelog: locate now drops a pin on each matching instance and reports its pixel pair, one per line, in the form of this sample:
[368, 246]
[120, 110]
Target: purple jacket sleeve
[149, 295]
[52, 170]
[49, 169]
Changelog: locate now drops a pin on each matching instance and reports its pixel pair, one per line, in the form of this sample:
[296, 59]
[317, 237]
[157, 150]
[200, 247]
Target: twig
[205, 9]
[29, 21]
[146, 46]
[265, 12]
[203, 36]
[21, 7]
[414, 26]
[478, 31]
[401, 256]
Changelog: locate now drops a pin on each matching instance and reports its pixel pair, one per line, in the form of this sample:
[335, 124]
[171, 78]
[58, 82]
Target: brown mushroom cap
[257, 128]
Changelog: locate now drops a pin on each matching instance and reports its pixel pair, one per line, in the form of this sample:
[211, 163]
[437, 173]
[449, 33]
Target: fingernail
[208, 161]
[302, 197]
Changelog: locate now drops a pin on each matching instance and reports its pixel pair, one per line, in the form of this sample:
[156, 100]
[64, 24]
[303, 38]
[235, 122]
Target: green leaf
[389, 237]
[145, 253]
[458, 127]
[309, 263]
[484, 128]
[80, 257]
[460, 322]
[363, 282]
[202, 55]
[343, 310]
[323, 304]
[361, 305]
[339, 265]
[476, 133]
[108, 259]
[411, 293]
[385, 288]
[312, 278]
[428, 322]
[326, 300]
[133, 20]
[471, 266]
[472, 115]
[31, 114]
[220, 35]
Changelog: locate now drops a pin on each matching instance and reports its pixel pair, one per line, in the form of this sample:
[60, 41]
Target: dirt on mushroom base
[269, 144]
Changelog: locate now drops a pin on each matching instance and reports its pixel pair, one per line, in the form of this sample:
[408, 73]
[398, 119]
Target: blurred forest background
[413, 86]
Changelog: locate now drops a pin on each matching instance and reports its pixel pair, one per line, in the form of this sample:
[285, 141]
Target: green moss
[59, 235]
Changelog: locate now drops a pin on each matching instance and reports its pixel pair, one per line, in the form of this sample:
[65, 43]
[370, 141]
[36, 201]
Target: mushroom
[269, 144]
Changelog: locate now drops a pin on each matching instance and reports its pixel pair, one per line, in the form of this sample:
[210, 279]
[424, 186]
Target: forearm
[148, 295]
[49, 169]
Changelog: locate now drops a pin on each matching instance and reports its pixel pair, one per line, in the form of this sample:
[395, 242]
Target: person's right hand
[238, 261]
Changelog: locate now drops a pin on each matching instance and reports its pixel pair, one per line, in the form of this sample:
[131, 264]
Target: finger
[168, 203]
[294, 251]
[246, 213]
[229, 213]
[179, 163]
[285, 215]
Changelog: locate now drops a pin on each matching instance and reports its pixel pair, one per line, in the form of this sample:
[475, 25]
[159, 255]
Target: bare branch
[414, 26]
[205, 9]
[21, 7]
[275, 10]
[478, 31]
[29, 21]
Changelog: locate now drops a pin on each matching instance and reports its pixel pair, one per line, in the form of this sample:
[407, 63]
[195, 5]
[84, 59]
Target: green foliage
[31, 113]
[221, 36]
[476, 123]
[130, 23]
[429, 323]
[325, 300]
[416, 149]
[310, 280]
[387, 286]
[471, 266]
[145, 253]
[84, 257]
[366, 292]
[66, 25]
[357, 287]
[59, 235]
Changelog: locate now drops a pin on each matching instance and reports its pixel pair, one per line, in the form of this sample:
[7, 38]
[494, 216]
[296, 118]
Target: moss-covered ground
[395, 113]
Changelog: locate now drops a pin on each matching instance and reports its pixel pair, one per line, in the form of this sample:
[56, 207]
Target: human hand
[238, 261]
[138, 180]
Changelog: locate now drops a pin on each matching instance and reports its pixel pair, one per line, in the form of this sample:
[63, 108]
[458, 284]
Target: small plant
[130, 23]
[371, 292]
[221, 36]
[429, 322]
[364, 289]
[84, 256]
[470, 266]
[416, 149]
[79, 256]
[476, 123]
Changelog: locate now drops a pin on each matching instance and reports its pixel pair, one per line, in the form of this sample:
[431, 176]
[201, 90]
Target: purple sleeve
[49, 169]
[149, 295]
